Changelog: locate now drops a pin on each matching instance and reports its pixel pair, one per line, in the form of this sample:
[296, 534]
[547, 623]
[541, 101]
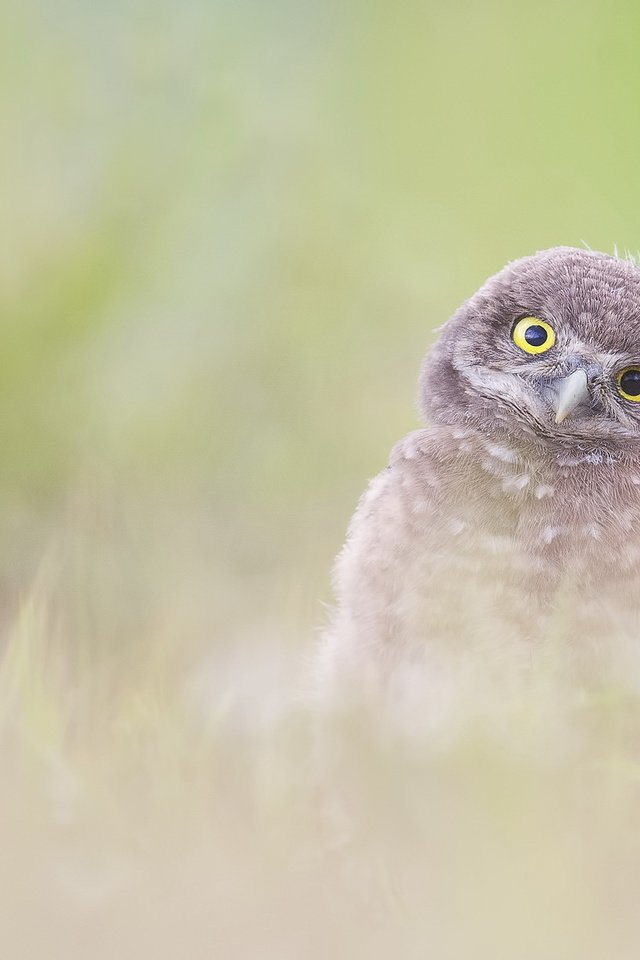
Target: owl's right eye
[533, 335]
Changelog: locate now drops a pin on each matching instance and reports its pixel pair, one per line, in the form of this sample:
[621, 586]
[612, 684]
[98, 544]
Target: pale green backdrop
[229, 229]
[228, 232]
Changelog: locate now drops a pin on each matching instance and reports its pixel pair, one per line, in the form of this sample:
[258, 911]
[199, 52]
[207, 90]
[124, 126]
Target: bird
[505, 532]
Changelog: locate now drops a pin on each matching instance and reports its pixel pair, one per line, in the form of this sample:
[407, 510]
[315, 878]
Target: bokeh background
[229, 231]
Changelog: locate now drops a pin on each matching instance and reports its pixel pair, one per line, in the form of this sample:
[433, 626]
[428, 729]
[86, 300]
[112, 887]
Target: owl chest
[544, 536]
[490, 572]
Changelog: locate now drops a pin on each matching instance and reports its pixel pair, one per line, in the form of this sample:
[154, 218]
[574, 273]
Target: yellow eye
[533, 335]
[628, 381]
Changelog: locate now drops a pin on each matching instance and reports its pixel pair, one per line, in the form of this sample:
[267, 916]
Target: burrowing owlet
[511, 522]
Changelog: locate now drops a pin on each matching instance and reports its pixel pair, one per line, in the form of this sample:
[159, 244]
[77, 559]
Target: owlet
[508, 529]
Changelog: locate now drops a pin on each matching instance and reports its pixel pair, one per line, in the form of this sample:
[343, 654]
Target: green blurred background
[228, 231]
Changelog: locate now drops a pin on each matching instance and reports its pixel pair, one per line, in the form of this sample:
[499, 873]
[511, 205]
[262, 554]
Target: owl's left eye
[533, 335]
[628, 381]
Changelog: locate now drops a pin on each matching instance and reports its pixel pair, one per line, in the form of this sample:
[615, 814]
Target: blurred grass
[228, 232]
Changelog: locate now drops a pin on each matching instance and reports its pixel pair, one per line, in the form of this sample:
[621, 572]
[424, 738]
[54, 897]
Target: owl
[506, 532]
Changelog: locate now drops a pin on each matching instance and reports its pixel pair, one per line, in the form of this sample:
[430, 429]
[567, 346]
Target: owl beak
[571, 391]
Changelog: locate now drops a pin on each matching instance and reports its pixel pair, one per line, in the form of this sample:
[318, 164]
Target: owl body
[506, 531]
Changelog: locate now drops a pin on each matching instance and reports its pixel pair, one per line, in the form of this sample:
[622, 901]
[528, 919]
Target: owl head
[547, 350]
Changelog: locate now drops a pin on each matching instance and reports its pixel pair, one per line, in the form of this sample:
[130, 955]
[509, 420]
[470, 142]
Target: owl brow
[534, 312]
[629, 359]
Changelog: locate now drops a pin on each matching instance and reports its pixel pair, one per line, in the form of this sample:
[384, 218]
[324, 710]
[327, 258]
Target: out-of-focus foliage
[228, 233]
[229, 229]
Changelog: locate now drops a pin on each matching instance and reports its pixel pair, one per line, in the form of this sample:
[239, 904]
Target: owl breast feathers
[506, 530]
